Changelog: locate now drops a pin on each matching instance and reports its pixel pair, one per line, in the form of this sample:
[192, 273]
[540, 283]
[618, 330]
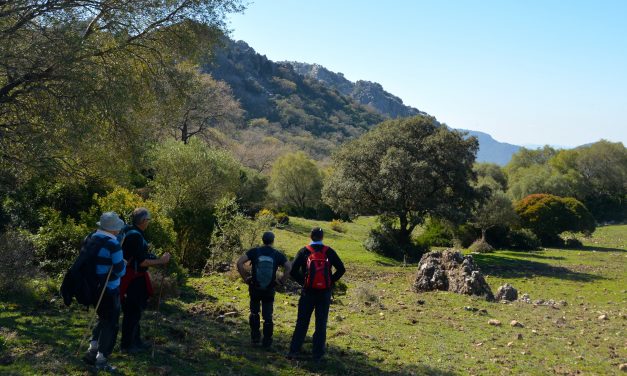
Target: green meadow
[377, 326]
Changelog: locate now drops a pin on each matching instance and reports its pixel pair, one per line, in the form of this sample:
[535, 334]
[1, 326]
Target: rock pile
[507, 292]
[451, 271]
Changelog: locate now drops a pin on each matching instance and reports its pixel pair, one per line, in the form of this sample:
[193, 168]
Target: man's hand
[165, 258]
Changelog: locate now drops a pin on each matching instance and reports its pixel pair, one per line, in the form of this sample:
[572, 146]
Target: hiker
[110, 267]
[311, 268]
[265, 261]
[136, 286]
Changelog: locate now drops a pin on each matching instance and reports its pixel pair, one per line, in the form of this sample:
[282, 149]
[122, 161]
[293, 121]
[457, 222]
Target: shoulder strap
[310, 248]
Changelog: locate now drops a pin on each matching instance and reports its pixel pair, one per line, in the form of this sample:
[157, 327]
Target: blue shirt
[110, 256]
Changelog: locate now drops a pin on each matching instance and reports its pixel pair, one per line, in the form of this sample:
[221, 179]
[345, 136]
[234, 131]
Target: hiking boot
[103, 365]
[90, 357]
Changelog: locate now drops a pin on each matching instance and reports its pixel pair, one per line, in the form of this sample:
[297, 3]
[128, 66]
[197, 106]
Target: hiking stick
[154, 337]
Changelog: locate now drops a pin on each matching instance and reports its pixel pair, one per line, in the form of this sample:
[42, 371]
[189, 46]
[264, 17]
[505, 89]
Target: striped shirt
[110, 256]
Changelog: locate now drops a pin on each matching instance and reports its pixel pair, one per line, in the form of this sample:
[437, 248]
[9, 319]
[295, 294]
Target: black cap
[317, 234]
[267, 237]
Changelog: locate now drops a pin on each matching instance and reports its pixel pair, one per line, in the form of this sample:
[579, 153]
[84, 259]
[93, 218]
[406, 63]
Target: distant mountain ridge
[314, 108]
[491, 150]
[373, 95]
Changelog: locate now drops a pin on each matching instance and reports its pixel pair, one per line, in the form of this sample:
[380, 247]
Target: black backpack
[264, 271]
[81, 281]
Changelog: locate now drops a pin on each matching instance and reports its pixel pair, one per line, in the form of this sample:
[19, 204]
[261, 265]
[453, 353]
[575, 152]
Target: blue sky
[527, 72]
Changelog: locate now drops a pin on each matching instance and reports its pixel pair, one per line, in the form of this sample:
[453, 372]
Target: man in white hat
[110, 267]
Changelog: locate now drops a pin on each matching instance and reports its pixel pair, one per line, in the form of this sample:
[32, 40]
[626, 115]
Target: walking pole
[154, 337]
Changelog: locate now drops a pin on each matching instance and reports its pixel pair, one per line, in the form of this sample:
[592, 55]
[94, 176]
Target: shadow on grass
[222, 345]
[187, 342]
[590, 248]
[532, 255]
[505, 267]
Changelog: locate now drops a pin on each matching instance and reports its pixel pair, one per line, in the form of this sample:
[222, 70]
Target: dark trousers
[106, 329]
[133, 306]
[310, 301]
[263, 299]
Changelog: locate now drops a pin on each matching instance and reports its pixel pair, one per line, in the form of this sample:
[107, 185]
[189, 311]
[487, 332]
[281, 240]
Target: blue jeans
[310, 301]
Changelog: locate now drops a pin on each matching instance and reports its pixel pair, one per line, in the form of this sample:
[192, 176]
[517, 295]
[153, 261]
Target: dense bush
[338, 226]
[436, 233]
[22, 207]
[382, 240]
[251, 193]
[573, 243]
[58, 241]
[17, 253]
[481, 246]
[282, 219]
[548, 216]
[523, 239]
[233, 234]
[160, 233]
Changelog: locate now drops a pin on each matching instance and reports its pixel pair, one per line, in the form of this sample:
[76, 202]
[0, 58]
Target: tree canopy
[76, 76]
[296, 182]
[549, 215]
[407, 169]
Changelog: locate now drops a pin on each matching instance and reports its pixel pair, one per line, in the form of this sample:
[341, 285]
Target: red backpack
[318, 276]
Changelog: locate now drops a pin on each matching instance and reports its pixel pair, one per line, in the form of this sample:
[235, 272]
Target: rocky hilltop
[368, 93]
[314, 108]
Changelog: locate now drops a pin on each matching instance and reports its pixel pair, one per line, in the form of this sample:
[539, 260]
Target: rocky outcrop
[507, 292]
[368, 93]
[451, 271]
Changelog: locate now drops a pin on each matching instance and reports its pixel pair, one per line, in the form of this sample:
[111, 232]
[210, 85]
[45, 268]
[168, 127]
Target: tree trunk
[184, 133]
[404, 233]
[483, 231]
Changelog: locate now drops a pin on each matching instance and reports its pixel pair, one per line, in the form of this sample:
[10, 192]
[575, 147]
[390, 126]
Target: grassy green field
[378, 327]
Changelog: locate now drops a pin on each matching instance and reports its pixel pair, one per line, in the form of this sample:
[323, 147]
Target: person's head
[140, 218]
[317, 234]
[267, 238]
[110, 222]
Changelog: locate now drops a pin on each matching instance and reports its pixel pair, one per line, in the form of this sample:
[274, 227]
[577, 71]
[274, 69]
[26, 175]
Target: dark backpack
[81, 281]
[264, 271]
[318, 273]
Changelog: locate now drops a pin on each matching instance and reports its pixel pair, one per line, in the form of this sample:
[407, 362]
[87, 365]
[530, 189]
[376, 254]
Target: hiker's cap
[110, 221]
[317, 233]
[267, 237]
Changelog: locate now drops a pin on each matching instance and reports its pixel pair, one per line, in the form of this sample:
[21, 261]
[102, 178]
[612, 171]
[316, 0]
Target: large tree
[296, 182]
[189, 181]
[406, 169]
[495, 209]
[76, 75]
[192, 103]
